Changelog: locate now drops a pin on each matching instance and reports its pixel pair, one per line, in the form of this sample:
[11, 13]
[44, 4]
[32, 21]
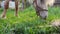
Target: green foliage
[28, 22]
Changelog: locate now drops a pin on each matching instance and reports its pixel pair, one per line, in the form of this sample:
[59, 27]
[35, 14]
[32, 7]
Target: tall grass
[28, 23]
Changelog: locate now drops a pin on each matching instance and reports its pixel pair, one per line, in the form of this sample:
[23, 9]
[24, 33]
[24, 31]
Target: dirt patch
[55, 22]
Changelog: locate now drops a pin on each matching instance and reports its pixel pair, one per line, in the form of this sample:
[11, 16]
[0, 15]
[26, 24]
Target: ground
[28, 22]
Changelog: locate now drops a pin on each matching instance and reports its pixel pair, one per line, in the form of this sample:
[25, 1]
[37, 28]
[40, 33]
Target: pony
[6, 6]
[41, 7]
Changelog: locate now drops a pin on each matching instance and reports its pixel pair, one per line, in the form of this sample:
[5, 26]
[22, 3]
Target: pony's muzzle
[43, 14]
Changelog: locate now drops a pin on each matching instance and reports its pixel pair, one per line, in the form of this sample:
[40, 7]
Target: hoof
[17, 16]
[3, 17]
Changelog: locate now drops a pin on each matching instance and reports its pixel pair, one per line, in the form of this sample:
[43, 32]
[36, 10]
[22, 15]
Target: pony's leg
[16, 7]
[6, 5]
[0, 3]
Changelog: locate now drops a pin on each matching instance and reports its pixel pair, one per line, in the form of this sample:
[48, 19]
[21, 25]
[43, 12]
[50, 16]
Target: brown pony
[6, 6]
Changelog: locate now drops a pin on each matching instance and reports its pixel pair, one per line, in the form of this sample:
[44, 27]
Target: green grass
[28, 22]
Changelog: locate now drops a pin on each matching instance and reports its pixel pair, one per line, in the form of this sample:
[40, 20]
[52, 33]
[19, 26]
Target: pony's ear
[34, 4]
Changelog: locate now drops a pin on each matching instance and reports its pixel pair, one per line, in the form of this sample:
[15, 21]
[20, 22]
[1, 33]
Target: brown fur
[6, 6]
